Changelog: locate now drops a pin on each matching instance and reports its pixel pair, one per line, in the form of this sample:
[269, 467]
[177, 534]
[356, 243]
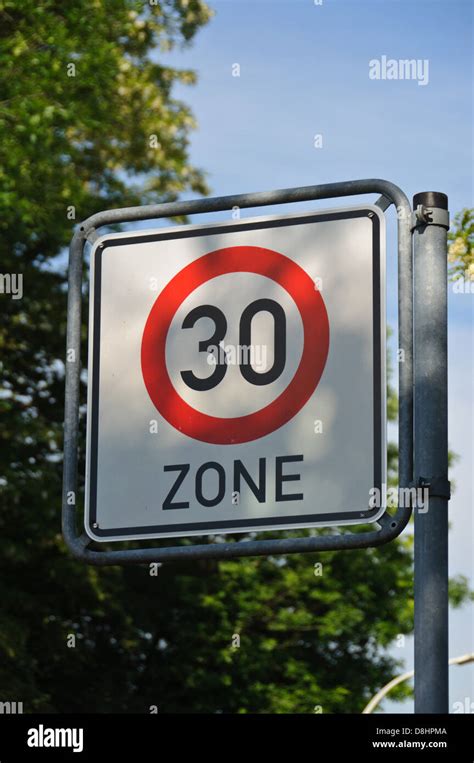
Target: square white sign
[237, 376]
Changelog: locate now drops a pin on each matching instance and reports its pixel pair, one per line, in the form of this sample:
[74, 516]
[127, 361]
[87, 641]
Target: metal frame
[390, 525]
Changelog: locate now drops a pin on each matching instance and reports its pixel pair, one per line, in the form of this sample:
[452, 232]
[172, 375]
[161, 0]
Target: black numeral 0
[279, 340]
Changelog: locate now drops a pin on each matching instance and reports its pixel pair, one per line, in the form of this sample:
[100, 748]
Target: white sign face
[237, 376]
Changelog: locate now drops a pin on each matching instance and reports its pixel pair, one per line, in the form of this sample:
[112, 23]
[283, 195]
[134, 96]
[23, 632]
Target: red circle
[227, 431]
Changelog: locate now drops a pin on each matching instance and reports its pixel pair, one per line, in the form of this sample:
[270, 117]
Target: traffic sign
[237, 376]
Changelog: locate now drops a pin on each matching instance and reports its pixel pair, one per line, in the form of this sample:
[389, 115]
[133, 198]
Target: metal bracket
[390, 525]
[438, 487]
[429, 216]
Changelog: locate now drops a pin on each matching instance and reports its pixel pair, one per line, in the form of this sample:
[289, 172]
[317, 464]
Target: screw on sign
[206, 390]
[316, 345]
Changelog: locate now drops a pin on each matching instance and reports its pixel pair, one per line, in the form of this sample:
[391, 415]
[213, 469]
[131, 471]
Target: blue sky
[304, 70]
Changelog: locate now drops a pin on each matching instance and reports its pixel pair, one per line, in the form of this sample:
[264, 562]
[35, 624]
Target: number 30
[245, 331]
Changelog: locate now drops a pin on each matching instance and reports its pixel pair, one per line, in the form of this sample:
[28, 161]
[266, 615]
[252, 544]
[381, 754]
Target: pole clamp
[438, 487]
[423, 216]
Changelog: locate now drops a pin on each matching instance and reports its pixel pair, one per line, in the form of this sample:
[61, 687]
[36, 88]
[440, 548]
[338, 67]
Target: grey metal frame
[390, 525]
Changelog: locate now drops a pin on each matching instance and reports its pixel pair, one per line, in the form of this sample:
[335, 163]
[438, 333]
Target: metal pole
[431, 222]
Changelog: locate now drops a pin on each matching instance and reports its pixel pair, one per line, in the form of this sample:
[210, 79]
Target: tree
[88, 121]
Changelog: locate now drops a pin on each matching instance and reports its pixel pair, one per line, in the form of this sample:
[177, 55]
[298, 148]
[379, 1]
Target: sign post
[164, 368]
[431, 225]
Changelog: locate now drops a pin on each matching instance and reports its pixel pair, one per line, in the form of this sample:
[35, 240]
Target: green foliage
[459, 591]
[461, 248]
[306, 639]
[88, 120]
[81, 102]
